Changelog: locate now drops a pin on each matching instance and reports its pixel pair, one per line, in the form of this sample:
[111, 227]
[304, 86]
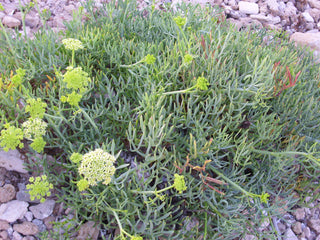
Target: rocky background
[23, 219]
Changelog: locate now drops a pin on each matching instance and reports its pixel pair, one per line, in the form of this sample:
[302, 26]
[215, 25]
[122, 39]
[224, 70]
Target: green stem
[180, 91]
[277, 154]
[72, 59]
[205, 226]
[119, 223]
[152, 192]
[90, 120]
[131, 65]
[236, 186]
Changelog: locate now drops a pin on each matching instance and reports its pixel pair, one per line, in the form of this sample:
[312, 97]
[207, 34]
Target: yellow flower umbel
[39, 188]
[11, 137]
[97, 166]
[179, 183]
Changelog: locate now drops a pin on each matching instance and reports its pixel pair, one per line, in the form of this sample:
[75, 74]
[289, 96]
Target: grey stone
[89, 230]
[297, 228]
[13, 210]
[274, 7]
[16, 236]
[26, 228]
[4, 235]
[299, 214]
[249, 237]
[307, 17]
[48, 222]
[29, 238]
[314, 224]
[269, 19]
[248, 7]
[307, 232]
[39, 224]
[314, 3]
[29, 216]
[289, 235]
[4, 225]
[43, 210]
[11, 161]
[22, 195]
[7, 193]
[281, 227]
[32, 20]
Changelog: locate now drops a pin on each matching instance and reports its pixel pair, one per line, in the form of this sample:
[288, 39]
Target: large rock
[11, 161]
[43, 210]
[13, 210]
[274, 7]
[248, 7]
[26, 228]
[11, 22]
[314, 3]
[314, 224]
[299, 214]
[311, 40]
[4, 225]
[289, 235]
[7, 193]
[89, 230]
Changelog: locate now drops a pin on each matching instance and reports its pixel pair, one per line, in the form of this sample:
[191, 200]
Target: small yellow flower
[72, 44]
[179, 183]
[187, 58]
[202, 83]
[264, 197]
[82, 185]
[149, 59]
[76, 157]
[180, 21]
[39, 188]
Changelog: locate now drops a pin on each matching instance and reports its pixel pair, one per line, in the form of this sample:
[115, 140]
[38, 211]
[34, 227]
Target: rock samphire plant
[167, 124]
